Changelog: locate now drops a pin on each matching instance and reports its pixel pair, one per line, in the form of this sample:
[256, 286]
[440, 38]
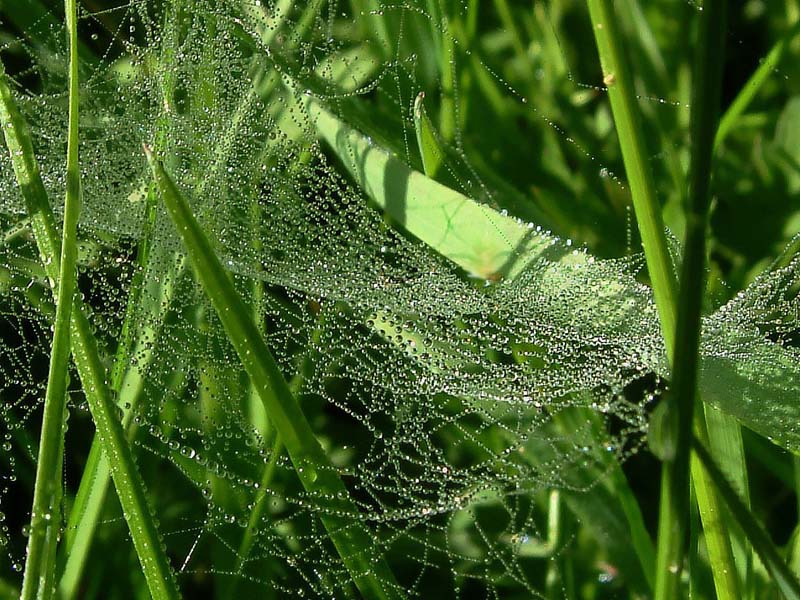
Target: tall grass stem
[618, 81]
[92, 372]
[39, 577]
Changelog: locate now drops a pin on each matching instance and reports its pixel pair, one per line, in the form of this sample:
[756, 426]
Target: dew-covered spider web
[467, 376]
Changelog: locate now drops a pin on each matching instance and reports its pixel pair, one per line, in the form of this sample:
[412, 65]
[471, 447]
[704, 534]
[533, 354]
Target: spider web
[450, 405]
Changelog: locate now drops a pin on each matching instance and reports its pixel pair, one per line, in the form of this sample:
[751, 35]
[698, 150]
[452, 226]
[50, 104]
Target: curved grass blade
[40, 565]
[480, 240]
[339, 514]
[91, 370]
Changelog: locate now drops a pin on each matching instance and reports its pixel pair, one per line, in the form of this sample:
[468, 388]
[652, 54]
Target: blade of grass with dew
[448, 120]
[726, 442]
[354, 543]
[40, 565]
[130, 487]
[443, 49]
[706, 98]
[674, 496]
[783, 577]
[126, 380]
[481, 241]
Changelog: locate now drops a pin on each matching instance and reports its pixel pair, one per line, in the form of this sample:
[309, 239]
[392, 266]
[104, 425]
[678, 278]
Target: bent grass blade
[339, 514]
[91, 370]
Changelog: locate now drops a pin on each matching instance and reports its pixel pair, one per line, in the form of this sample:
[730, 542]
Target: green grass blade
[706, 95]
[622, 96]
[428, 144]
[712, 515]
[40, 565]
[354, 543]
[91, 370]
[482, 241]
[726, 443]
[448, 121]
[781, 574]
[752, 86]
[86, 508]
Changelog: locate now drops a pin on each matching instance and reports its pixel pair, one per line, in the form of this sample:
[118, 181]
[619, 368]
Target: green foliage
[376, 322]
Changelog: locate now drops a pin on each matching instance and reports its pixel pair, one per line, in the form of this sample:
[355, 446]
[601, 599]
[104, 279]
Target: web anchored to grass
[341, 365]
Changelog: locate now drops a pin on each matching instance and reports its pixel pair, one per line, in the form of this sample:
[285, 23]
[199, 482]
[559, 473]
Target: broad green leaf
[743, 372]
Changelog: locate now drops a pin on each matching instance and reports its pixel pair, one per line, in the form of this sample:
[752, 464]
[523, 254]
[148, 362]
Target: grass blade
[784, 578]
[622, 96]
[752, 86]
[706, 95]
[91, 370]
[482, 241]
[428, 144]
[354, 543]
[40, 566]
